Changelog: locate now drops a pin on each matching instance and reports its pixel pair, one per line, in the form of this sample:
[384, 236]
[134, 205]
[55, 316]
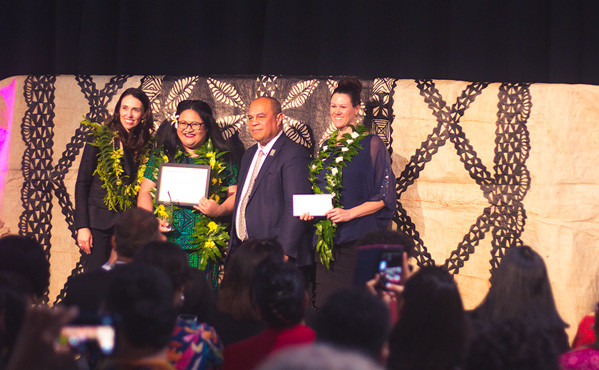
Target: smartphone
[90, 334]
[382, 259]
[390, 267]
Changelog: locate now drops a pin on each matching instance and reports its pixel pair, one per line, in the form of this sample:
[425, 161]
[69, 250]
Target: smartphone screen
[85, 337]
[390, 266]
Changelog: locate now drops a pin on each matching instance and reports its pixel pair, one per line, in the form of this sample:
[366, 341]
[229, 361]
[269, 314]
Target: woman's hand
[209, 207]
[164, 226]
[306, 217]
[339, 215]
[85, 240]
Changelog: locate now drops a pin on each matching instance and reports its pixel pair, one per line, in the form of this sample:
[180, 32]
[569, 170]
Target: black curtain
[508, 40]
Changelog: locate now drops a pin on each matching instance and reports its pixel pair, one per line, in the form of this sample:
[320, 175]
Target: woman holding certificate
[354, 167]
[110, 173]
[192, 137]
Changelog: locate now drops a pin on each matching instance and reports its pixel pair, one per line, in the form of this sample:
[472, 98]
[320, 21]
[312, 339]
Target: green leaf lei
[343, 151]
[119, 196]
[210, 237]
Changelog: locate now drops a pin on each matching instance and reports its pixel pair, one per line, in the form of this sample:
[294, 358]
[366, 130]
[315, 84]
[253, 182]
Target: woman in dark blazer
[108, 178]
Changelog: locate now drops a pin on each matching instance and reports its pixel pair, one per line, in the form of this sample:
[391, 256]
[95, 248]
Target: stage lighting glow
[7, 109]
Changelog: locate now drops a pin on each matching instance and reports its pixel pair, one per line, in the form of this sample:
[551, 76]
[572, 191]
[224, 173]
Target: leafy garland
[119, 196]
[343, 151]
[209, 236]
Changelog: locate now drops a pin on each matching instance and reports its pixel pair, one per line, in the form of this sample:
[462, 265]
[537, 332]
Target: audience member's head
[235, 293]
[168, 257]
[357, 320]
[389, 237]
[319, 356]
[193, 295]
[13, 304]
[520, 289]
[134, 228]
[141, 298]
[279, 293]
[432, 329]
[25, 257]
[513, 345]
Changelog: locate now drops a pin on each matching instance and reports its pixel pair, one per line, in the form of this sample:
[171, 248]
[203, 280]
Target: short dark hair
[432, 331]
[134, 228]
[354, 319]
[24, 256]
[168, 257]
[349, 86]
[279, 293]
[511, 344]
[141, 297]
[235, 292]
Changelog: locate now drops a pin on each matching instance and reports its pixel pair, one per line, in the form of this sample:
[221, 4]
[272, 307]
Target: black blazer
[88, 290]
[269, 212]
[90, 210]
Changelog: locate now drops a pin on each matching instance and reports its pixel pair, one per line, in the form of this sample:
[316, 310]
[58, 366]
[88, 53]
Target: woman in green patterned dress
[193, 137]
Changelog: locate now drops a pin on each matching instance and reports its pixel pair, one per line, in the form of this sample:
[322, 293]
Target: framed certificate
[182, 184]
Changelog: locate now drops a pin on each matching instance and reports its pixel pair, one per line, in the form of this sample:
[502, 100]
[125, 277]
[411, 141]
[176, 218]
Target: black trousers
[101, 248]
[340, 275]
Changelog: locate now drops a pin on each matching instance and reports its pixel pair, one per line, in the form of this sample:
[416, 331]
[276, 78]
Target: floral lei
[209, 236]
[343, 150]
[119, 196]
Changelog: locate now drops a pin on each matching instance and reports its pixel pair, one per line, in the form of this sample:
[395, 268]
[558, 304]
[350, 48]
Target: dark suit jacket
[269, 212]
[88, 290]
[90, 210]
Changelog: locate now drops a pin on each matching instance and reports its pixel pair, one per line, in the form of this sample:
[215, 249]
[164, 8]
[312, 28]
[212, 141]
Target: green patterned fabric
[185, 218]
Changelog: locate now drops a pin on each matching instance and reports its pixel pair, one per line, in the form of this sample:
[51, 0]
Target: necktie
[242, 228]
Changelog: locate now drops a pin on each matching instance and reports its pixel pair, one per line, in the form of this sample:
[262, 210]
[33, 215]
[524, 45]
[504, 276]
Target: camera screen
[390, 266]
[80, 337]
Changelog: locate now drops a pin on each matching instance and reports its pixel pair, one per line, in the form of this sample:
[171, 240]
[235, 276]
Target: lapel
[274, 152]
[246, 161]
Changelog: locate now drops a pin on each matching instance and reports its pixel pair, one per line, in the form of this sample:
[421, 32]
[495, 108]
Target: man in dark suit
[270, 173]
[134, 228]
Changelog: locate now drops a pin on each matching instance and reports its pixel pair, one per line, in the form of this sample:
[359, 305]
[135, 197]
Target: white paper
[314, 204]
[184, 185]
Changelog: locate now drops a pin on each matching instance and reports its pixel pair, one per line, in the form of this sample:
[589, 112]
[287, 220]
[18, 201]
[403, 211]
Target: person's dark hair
[350, 86]
[354, 319]
[168, 257]
[25, 257]
[279, 293]
[432, 330]
[141, 297]
[13, 304]
[511, 344]
[139, 136]
[320, 356]
[389, 237]
[134, 228]
[235, 292]
[520, 289]
[169, 140]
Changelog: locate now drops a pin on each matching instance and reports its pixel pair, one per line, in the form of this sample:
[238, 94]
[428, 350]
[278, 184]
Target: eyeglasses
[195, 126]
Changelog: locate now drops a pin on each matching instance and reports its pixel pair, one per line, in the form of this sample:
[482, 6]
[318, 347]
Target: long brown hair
[136, 140]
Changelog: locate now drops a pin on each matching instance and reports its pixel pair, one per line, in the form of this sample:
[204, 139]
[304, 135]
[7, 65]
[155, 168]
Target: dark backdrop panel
[510, 40]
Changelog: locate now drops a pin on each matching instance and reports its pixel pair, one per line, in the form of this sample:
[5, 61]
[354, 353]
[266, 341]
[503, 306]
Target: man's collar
[266, 148]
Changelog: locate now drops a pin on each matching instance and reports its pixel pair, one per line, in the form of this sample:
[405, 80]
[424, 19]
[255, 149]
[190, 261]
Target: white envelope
[314, 204]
